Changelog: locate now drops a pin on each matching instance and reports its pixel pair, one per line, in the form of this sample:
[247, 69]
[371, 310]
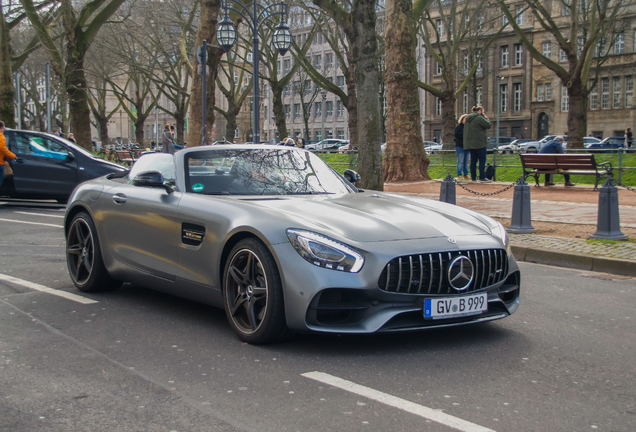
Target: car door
[141, 226]
[46, 167]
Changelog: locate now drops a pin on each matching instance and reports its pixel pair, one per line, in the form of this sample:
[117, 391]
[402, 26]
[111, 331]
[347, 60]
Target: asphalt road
[138, 360]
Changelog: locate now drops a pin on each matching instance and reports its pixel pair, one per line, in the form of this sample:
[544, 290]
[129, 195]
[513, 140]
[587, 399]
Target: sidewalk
[577, 205]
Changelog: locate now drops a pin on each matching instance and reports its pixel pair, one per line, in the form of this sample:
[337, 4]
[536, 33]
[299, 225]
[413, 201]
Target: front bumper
[324, 300]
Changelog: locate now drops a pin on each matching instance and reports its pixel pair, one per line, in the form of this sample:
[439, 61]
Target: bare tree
[578, 27]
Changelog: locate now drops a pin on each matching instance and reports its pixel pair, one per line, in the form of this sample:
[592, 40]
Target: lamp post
[255, 16]
[494, 153]
[322, 132]
[121, 133]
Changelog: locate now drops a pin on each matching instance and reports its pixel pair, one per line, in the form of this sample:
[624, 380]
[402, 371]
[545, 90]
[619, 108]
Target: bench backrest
[558, 161]
[124, 154]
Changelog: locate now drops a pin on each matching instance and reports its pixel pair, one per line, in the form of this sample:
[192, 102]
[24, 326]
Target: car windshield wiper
[311, 193]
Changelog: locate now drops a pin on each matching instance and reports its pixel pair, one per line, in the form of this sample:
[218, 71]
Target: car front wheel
[253, 294]
[84, 257]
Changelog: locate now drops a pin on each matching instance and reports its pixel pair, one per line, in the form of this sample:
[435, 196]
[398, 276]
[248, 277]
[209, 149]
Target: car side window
[40, 146]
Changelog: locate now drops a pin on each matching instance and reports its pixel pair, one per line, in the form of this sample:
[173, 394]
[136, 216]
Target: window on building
[340, 81]
[519, 19]
[548, 91]
[539, 92]
[278, 68]
[236, 78]
[340, 133]
[565, 8]
[504, 56]
[438, 68]
[616, 97]
[604, 93]
[329, 108]
[465, 100]
[287, 111]
[594, 98]
[438, 106]
[516, 88]
[600, 47]
[287, 90]
[562, 56]
[580, 44]
[340, 108]
[237, 132]
[328, 60]
[619, 43]
[307, 86]
[249, 57]
[629, 91]
[286, 65]
[318, 61]
[504, 20]
[478, 94]
[565, 99]
[440, 27]
[296, 111]
[317, 109]
[547, 49]
[318, 135]
[504, 97]
[518, 54]
[329, 133]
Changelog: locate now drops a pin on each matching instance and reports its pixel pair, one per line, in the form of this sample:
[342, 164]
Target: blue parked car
[609, 143]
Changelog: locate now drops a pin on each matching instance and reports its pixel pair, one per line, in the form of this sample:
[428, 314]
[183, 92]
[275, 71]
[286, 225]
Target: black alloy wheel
[84, 258]
[253, 294]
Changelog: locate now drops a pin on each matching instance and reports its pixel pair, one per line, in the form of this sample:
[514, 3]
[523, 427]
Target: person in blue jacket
[555, 147]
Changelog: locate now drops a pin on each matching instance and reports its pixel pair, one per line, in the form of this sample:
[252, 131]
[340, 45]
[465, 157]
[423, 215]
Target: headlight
[499, 231]
[323, 251]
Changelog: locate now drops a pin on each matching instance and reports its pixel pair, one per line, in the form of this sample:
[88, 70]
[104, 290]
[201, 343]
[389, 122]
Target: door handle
[120, 198]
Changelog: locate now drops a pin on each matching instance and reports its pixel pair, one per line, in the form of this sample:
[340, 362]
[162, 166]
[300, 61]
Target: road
[138, 360]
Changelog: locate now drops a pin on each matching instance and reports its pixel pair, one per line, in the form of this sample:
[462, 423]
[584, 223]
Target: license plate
[453, 307]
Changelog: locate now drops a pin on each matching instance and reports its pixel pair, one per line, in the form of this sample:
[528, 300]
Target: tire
[84, 257]
[532, 150]
[253, 294]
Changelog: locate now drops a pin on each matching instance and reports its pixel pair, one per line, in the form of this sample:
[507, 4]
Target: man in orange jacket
[5, 153]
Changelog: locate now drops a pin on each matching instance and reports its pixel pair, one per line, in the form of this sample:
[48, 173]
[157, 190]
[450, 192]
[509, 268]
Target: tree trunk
[365, 51]
[103, 129]
[76, 89]
[279, 112]
[448, 121]
[207, 30]
[230, 127]
[179, 118]
[352, 109]
[405, 158]
[577, 114]
[7, 91]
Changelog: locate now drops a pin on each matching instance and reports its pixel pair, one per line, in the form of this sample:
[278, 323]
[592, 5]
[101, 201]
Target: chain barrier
[631, 189]
[510, 186]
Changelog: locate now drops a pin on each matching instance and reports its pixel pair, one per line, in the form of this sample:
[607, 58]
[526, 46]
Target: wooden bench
[125, 157]
[573, 164]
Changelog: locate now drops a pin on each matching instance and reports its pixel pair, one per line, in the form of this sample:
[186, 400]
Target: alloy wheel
[80, 251]
[246, 286]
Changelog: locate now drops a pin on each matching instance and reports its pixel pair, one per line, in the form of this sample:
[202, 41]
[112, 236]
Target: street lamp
[255, 16]
[494, 153]
[322, 132]
[121, 133]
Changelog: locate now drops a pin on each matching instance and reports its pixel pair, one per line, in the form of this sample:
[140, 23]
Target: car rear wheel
[253, 294]
[84, 257]
[532, 150]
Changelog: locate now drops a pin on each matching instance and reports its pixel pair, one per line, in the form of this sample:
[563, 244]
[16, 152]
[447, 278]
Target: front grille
[428, 273]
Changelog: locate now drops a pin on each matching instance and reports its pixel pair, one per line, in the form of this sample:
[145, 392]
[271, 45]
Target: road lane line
[31, 223]
[45, 289]
[396, 402]
[40, 214]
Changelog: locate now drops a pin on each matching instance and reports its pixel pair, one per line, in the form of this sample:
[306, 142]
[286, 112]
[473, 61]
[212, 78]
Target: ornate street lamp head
[226, 33]
[282, 38]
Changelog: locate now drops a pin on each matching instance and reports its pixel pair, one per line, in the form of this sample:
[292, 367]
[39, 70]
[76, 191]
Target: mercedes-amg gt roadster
[285, 244]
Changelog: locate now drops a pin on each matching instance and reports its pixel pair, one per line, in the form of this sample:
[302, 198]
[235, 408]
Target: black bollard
[447, 191]
[608, 224]
[521, 221]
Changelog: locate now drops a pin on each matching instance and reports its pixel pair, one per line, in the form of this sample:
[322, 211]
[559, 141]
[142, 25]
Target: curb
[574, 260]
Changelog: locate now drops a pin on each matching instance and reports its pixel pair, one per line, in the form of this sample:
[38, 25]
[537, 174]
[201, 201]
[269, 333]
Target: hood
[376, 216]
[471, 117]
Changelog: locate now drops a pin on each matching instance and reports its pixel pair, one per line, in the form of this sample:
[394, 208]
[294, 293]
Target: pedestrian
[629, 138]
[5, 153]
[167, 140]
[462, 156]
[476, 141]
[300, 142]
[555, 147]
[71, 138]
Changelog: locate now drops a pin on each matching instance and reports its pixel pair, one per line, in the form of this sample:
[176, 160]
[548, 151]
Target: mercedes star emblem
[460, 273]
[452, 240]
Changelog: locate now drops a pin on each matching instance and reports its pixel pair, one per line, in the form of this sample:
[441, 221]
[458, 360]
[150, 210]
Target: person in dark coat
[555, 147]
[629, 138]
[462, 155]
[476, 141]
[167, 141]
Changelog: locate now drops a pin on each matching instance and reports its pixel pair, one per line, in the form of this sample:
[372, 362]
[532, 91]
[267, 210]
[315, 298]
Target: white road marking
[40, 214]
[31, 223]
[396, 402]
[45, 289]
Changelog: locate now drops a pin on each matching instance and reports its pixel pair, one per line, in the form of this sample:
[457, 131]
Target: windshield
[261, 172]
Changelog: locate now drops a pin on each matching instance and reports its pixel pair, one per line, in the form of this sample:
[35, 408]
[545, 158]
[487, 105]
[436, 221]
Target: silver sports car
[285, 244]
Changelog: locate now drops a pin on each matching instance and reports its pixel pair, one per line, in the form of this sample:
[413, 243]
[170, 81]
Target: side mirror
[70, 156]
[351, 176]
[152, 179]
